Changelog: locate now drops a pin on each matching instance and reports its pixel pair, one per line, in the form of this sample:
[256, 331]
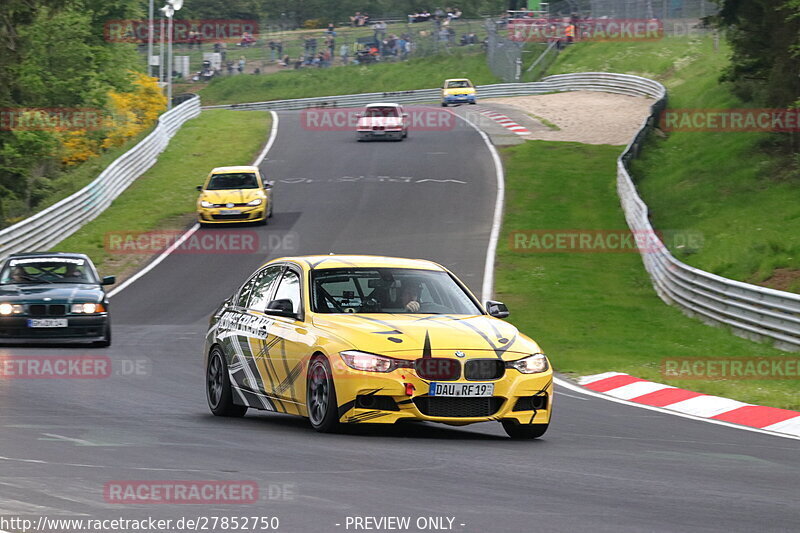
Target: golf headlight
[533, 364]
[204, 203]
[367, 361]
[10, 309]
[257, 201]
[87, 308]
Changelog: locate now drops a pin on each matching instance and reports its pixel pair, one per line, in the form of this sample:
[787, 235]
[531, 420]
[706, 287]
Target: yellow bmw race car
[346, 339]
[234, 194]
[458, 91]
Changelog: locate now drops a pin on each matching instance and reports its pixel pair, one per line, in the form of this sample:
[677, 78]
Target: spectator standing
[344, 53]
[242, 62]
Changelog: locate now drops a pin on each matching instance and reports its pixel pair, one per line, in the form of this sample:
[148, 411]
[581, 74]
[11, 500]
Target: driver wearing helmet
[410, 294]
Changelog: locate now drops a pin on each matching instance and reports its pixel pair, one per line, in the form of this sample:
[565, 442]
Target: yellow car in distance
[234, 194]
[458, 91]
[346, 339]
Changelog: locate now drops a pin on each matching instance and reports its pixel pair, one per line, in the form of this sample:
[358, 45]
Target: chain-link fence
[649, 9]
[503, 54]
[277, 48]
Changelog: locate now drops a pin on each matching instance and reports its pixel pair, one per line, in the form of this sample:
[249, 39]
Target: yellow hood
[401, 335]
[232, 196]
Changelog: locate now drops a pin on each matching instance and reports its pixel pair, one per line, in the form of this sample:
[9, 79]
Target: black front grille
[531, 403]
[458, 407]
[47, 310]
[480, 369]
[373, 401]
[243, 216]
[438, 368]
[56, 333]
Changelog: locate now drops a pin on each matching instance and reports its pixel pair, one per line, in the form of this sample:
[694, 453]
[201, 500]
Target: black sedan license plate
[47, 322]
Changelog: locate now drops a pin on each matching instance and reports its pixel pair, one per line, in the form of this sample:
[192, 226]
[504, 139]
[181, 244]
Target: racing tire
[323, 410]
[473, 103]
[444, 104]
[269, 215]
[218, 387]
[106, 341]
[518, 431]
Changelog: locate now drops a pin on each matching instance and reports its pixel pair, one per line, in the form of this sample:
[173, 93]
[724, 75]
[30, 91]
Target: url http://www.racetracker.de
[148, 524]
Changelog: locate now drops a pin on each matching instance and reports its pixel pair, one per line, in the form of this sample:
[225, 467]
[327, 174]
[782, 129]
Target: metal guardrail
[586, 81]
[52, 225]
[755, 312]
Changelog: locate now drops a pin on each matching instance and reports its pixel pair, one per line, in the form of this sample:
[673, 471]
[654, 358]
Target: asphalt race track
[602, 466]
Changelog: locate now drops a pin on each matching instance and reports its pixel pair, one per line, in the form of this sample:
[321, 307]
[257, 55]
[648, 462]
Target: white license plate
[47, 322]
[378, 132]
[230, 212]
[461, 389]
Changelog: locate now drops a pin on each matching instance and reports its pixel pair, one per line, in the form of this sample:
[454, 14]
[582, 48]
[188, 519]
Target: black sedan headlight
[11, 309]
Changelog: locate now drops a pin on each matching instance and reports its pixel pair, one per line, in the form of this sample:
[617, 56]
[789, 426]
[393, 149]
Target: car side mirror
[496, 309]
[282, 307]
[109, 280]
[199, 187]
[267, 185]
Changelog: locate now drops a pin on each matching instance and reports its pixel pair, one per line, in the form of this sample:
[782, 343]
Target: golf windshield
[47, 270]
[243, 180]
[389, 290]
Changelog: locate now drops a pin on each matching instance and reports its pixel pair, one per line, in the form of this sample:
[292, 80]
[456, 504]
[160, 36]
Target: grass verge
[164, 197]
[422, 73]
[737, 190]
[594, 312]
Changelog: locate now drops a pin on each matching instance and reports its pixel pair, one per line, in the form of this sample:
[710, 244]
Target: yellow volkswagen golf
[234, 194]
[345, 339]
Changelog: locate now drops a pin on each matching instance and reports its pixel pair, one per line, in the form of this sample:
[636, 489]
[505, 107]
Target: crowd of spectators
[440, 16]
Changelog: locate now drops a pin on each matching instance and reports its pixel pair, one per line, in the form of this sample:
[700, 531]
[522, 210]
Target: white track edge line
[488, 286]
[188, 233]
[497, 219]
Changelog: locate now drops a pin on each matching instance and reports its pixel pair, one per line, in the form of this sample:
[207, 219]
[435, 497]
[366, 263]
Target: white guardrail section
[751, 311]
[54, 224]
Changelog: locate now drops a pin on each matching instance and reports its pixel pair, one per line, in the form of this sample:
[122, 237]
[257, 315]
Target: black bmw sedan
[53, 297]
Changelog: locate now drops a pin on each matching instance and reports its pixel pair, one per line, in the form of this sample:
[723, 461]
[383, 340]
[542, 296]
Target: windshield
[381, 112]
[389, 290]
[47, 270]
[460, 84]
[243, 180]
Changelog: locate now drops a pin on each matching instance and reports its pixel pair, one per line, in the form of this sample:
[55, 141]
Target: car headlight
[10, 309]
[204, 203]
[370, 362]
[87, 308]
[533, 364]
[257, 201]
